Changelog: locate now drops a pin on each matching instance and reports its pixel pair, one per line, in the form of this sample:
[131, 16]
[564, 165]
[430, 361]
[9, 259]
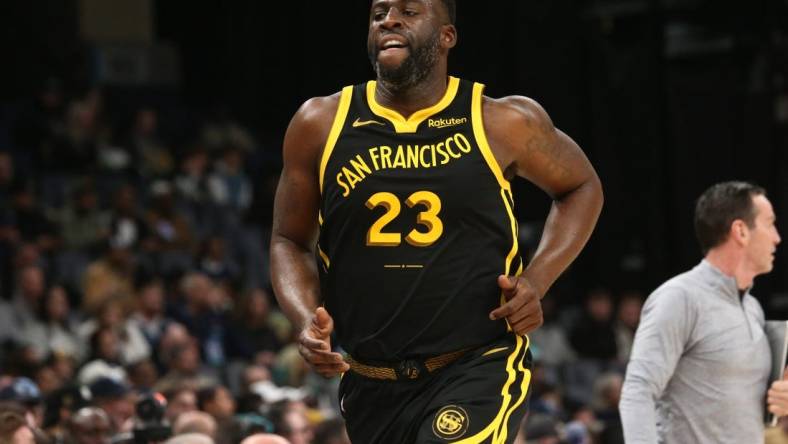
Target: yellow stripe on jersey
[336, 128]
[324, 256]
[481, 137]
[523, 392]
[493, 351]
[513, 223]
[506, 187]
[506, 397]
[411, 124]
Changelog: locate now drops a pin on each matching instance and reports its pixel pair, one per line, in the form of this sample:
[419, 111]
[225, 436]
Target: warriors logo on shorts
[451, 422]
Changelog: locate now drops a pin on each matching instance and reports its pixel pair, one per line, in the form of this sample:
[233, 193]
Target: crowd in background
[132, 263]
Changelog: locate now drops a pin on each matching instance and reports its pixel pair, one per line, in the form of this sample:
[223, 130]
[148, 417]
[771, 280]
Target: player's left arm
[526, 144]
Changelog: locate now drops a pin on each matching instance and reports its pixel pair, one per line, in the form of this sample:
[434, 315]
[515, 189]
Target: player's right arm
[295, 230]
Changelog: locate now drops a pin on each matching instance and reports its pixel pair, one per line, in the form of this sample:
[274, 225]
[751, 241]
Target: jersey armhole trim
[481, 137]
[336, 129]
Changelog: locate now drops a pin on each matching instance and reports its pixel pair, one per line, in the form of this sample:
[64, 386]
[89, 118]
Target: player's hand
[523, 307]
[777, 397]
[314, 344]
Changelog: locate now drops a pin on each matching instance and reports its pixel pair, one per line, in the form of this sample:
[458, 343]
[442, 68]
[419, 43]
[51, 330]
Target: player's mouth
[392, 44]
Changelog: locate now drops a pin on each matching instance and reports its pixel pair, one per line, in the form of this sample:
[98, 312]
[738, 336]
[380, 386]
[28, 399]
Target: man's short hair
[719, 206]
[451, 10]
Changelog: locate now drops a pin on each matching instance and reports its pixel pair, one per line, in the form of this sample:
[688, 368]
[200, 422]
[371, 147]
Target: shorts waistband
[406, 369]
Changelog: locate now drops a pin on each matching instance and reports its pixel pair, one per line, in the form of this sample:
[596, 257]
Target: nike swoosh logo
[360, 122]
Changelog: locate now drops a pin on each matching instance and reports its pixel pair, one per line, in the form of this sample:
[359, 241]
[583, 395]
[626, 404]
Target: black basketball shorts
[479, 398]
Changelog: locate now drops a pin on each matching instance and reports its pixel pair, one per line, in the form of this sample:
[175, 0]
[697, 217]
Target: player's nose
[393, 19]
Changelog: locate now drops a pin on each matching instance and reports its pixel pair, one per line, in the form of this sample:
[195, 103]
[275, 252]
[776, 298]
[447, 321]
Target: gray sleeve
[661, 338]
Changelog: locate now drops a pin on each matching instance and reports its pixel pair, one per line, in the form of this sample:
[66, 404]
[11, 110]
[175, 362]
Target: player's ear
[448, 36]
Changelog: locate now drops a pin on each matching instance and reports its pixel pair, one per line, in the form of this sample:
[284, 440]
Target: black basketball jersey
[416, 224]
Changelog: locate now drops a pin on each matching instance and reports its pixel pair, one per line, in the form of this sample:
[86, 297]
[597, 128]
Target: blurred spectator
[180, 400]
[110, 277]
[191, 187]
[64, 366]
[127, 225]
[331, 431]
[175, 335]
[116, 399]
[28, 255]
[248, 424]
[84, 230]
[202, 315]
[265, 438]
[253, 374]
[153, 157]
[60, 407]
[627, 320]
[105, 357]
[228, 184]
[83, 225]
[216, 401]
[582, 425]
[549, 343]
[292, 423]
[252, 335]
[185, 366]
[190, 438]
[30, 220]
[20, 314]
[607, 394]
[290, 369]
[89, 425]
[143, 375]
[215, 262]
[56, 331]
[24, 392]
[148, 317]
[173, 242]
[14, 428]
[249, 401]
[47, 379]
[195, 422]
[594, 336]
[547, 399]
[131, 343]
[539, 429]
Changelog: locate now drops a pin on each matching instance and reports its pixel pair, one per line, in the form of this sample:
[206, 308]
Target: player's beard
[415, 68]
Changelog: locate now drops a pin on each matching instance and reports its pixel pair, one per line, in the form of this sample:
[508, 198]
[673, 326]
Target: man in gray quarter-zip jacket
[700, 362]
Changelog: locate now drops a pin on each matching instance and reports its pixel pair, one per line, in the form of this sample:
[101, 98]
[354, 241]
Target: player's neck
[730, 260]
[408, 100]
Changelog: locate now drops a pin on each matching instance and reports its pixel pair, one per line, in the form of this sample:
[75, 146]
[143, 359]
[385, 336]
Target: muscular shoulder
[316, 114]
[516, 111]
[520, 132]
[308, 130]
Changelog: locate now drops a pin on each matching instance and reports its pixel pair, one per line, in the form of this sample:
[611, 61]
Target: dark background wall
[666, 97]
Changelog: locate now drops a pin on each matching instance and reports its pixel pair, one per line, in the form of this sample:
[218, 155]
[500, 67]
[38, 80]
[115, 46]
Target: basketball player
[394, 229]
